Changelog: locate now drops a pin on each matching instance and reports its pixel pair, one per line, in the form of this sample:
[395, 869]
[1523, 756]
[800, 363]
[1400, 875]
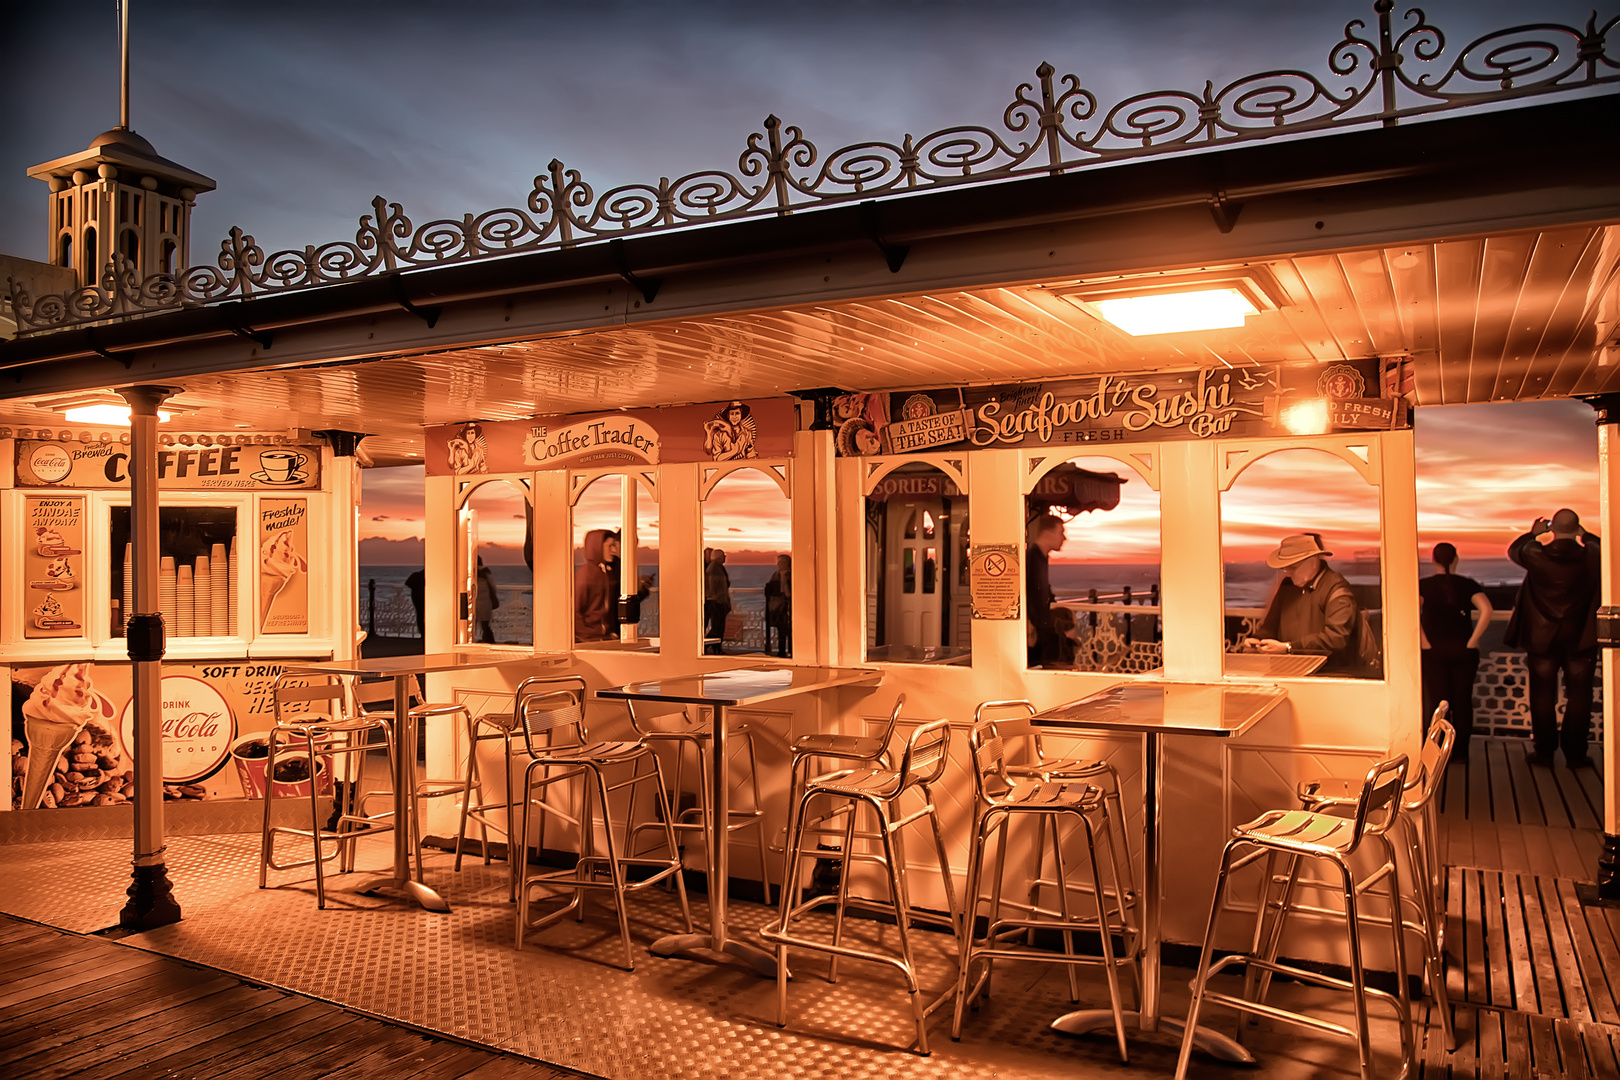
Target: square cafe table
[402, 669]
[718, 691]
[1153, 710]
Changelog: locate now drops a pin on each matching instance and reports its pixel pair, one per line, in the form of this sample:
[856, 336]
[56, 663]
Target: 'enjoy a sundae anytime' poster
[283, 567]
[53, 557]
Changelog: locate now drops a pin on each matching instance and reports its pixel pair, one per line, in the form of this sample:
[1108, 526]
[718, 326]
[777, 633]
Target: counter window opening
[615, 543]
[918, 608]
[198, 572]
[1301, 532]
[1091, 564]
[747, 566]
[495, 565]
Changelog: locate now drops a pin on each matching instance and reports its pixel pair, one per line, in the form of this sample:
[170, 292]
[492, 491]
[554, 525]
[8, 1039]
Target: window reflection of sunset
[1129, 533]
[1295, 491]
[598, 508]
[747, 515]
[499, 512]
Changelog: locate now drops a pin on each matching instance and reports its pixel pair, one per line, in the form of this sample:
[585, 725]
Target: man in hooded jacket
[1555, 623]
[595, 584]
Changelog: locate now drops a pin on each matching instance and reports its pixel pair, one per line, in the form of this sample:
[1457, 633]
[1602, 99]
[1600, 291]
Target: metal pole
[1608, 870]
[151, 900]
[123, 46]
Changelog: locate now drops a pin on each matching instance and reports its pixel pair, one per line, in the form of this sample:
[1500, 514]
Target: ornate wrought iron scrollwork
[1052, 125]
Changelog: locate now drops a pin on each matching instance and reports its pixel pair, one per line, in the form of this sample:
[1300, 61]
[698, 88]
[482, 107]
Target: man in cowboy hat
[1312, 609]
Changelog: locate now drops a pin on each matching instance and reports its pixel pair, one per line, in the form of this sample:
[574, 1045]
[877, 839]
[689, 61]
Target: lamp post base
[151, 900]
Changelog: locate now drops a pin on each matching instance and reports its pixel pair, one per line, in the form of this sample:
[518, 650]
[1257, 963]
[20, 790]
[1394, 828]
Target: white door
[915, 592]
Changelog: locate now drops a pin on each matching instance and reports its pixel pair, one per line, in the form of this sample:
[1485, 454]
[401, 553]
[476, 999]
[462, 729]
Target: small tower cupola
[119, 198]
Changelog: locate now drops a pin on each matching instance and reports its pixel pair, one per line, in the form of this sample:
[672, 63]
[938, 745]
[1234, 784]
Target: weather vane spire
[123, 48]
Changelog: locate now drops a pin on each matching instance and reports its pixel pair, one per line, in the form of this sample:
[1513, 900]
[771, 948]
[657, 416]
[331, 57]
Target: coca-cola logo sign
[198, 728]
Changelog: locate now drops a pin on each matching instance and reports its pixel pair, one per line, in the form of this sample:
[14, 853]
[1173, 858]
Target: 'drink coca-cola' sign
[197, 729]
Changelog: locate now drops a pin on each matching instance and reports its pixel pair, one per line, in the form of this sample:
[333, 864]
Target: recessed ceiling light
[111, 415]
[1179, 312]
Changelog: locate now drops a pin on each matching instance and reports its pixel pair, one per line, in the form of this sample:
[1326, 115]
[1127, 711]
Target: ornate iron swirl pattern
[1051, 126]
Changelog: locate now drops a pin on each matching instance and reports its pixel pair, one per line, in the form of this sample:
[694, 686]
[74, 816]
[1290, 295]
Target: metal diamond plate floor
[563, 999]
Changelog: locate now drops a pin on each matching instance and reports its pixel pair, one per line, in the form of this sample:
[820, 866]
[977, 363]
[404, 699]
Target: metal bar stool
[1294, 835]
[557, 704]
[487, 727]
[1042, 765]
[699, 736]
[1003, 795]
[879, 789]
[381, 692]
[850, 750]
[1419, 824]
[311, 713]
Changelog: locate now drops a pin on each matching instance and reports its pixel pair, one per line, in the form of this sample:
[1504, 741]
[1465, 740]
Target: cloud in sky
[303, 110]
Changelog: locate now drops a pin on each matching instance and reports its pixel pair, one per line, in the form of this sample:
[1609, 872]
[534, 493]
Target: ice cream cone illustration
[54, 714]
[50, 543]
[279, 563]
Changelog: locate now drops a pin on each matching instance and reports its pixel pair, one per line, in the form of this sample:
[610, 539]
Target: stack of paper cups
[219, 594]
[230, 583]
[202, 602]
[166, 591]
[184, 599]
[129, 583]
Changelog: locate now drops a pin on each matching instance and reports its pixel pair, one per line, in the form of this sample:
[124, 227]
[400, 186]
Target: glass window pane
[1300, 537]
[501, 584]
[197, 551]
[601, 564]
[748, 572]
[1092, 569]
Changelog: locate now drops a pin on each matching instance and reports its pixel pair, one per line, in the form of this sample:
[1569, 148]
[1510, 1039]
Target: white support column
[151, 898]
[1608, 873]
[815, 547]
[1192, 593]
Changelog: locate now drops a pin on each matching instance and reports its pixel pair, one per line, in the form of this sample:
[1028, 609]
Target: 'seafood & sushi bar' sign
[1247, 402]
[241, 466]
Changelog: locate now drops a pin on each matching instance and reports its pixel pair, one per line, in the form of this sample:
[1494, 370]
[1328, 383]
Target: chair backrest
[544, 704]
[297, 698]
[1016, 723]
[927, 753]
[990, 779]
[887, 736]
[1432, 761]
[378, 692]
[1380, 798]
[643, 713]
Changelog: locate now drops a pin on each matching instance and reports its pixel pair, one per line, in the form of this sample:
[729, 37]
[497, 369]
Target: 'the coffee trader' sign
[1207, 403]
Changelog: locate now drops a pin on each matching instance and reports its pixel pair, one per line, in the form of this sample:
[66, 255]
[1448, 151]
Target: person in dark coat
[1045, 535]
[1450, 634]
[779, 607]
[484, 603]
[611, 551]
[593, 589]
[416, 582]
[1555, 623]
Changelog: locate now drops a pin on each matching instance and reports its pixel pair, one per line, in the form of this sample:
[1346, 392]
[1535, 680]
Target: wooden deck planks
[84, 1007]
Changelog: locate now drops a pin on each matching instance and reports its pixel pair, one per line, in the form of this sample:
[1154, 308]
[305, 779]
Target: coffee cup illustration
[281, 466]
[251, 754]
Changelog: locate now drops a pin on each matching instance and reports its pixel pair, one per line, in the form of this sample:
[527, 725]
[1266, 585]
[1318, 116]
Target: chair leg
[671, 846]
[615, 873]
[1063, 900]
[853, 809]
[970, 910]
[314, 819]
[1398, 934]
[521, 891]
[1358, 976]
[1201, 973]
[266, 841]
[893, 851]
[1107, 937]
[759, 821]
[944, 863]
[466, 794]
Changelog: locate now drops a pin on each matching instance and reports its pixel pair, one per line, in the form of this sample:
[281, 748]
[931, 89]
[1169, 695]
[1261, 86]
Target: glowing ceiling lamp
[1178, 312]
[107, 414]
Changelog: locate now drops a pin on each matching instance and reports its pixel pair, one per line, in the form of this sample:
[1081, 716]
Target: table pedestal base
[1084, 1021]
[415, 890]
[756, 958]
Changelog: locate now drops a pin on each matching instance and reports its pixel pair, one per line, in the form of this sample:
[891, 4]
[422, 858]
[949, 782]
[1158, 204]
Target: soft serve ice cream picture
[68, 728]
[283, 567]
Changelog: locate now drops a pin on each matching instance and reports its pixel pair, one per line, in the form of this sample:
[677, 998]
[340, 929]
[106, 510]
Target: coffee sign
[239, 466]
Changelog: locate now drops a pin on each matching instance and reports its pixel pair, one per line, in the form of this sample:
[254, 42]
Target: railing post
[1125, 594]
[371, 607]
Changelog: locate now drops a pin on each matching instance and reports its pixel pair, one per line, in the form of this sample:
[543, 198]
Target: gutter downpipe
[151, 898]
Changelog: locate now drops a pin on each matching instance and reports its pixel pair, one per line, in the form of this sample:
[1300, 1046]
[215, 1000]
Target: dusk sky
[303, 111]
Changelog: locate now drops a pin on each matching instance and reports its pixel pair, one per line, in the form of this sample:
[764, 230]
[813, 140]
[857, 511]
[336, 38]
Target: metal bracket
[95, 347]
[823, 397]
[1224, 210]
[647, 287]
[261, 338]
[343, 443]
[429, 315]
[893, 254]
[144, 633]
